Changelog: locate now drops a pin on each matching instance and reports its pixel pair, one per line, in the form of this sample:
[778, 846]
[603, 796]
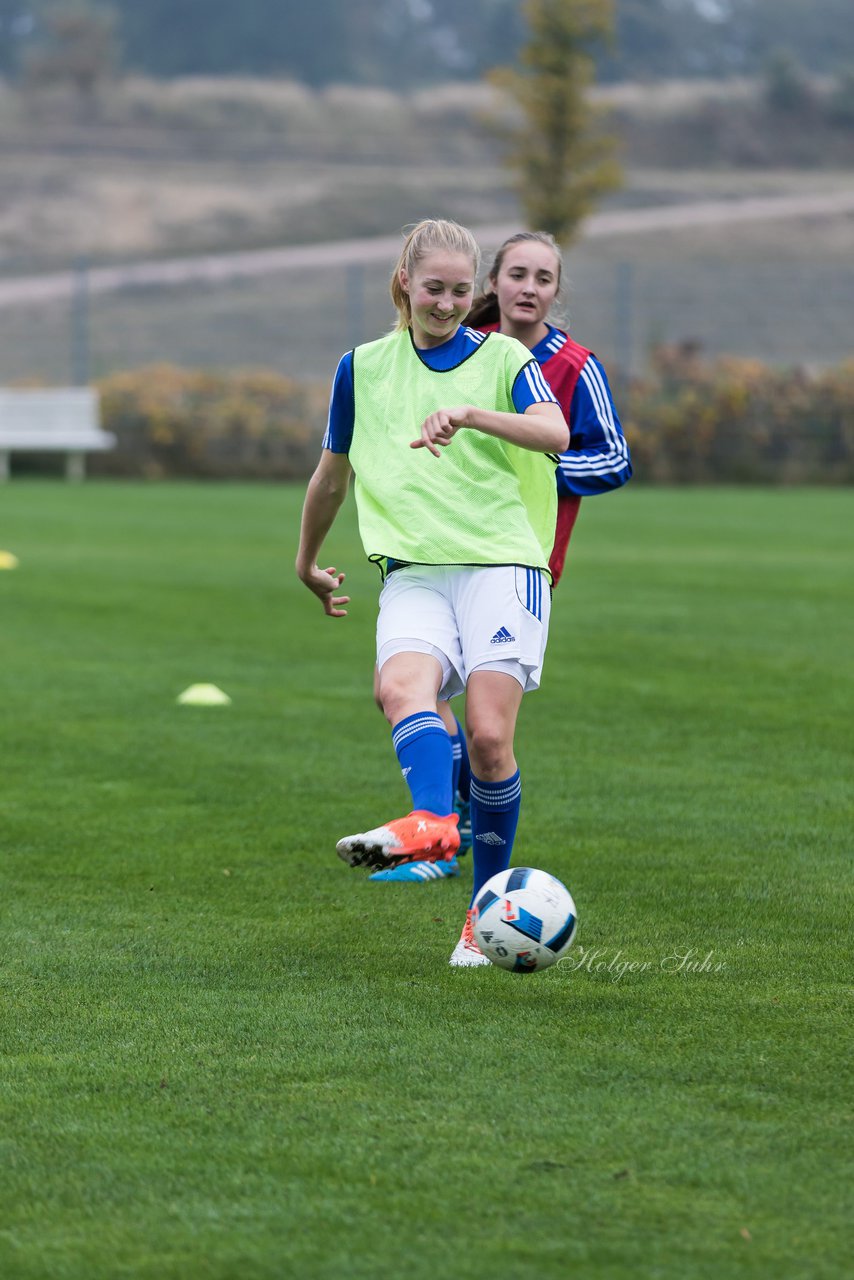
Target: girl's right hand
[324, 583]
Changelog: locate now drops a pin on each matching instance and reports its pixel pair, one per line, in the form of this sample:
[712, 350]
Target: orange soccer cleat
[420, 836]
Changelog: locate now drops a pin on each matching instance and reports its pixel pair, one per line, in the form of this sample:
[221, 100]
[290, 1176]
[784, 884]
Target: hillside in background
[196, 165]
[212, 166]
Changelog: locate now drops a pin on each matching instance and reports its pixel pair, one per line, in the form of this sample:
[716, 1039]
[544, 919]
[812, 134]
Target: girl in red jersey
[524, 283]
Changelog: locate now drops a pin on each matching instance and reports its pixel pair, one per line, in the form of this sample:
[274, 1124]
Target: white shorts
[471, 619]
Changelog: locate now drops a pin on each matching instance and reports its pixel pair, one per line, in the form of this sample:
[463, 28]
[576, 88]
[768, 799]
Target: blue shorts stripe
[534, 593]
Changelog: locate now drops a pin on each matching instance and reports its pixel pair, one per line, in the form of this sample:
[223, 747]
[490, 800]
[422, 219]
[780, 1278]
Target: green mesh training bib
[484, 501]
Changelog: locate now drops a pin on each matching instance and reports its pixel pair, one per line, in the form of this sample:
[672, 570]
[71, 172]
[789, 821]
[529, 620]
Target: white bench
[59, 420]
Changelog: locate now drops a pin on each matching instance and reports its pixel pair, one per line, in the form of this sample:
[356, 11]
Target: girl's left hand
[440, 428]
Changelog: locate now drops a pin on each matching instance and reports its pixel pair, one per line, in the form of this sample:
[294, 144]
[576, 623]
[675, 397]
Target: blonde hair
[485, 309]
[427, 237]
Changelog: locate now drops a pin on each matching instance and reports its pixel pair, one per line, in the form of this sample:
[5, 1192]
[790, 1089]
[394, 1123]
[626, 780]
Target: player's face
[440, 291]
[526, 284]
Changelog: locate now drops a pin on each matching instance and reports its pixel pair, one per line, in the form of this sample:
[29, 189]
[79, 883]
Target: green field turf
[225, 1054]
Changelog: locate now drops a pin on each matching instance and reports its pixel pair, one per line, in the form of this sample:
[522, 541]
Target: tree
[786, 88]
[317, 43]
[16, 27]
[841, 105]
[563, 159]
[406, 44]
[78, 50]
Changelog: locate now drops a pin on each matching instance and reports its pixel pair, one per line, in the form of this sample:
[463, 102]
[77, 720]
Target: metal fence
[298, 319]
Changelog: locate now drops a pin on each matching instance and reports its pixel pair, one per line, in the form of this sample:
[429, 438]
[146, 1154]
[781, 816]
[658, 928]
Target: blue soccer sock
[424, 750]
[494, 816]
[457, 740]
[462, 776]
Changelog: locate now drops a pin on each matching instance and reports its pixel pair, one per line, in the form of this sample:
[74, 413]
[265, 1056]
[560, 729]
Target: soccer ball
[524, 919]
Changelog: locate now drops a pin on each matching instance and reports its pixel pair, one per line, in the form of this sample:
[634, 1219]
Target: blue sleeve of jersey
[598, 457]
[342, 408]
[531, 387]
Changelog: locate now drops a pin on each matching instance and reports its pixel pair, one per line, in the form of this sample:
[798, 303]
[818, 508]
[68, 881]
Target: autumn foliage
[688, 421]
[249, 424]
[737, 420]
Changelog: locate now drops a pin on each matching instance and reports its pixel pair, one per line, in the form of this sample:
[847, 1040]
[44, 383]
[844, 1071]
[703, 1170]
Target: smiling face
[526, 285]
[440, 289]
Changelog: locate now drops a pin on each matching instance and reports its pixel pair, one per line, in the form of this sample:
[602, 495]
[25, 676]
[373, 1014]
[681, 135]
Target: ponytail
[484, 310]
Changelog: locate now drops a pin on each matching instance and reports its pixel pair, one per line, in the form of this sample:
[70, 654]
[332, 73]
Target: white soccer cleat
[467, 953]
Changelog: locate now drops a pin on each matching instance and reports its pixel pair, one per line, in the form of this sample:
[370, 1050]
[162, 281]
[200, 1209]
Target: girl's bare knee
[490, 750]
[393, 696]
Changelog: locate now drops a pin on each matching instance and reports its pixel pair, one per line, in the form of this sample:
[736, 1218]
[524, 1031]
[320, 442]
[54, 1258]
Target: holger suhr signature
[600, 960]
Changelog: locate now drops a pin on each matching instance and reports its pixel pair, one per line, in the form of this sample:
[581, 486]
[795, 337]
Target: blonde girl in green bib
[453, 436]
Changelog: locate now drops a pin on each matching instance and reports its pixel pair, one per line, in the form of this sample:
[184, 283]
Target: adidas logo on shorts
[502, 636]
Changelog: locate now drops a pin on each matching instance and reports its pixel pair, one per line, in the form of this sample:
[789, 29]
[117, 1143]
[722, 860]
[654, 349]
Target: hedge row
[687, 421]
[250, 424]
[735, 420]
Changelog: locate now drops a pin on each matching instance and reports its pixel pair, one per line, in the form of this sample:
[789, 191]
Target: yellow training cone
[204, 695]
[7, 560]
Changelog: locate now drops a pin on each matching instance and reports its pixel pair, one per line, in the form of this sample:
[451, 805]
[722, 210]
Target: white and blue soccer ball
[524, 919]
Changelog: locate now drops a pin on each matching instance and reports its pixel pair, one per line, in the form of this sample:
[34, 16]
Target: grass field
[225, 1054]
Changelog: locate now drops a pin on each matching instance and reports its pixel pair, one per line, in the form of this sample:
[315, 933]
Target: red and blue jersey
[597, 459]
[598, 456]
